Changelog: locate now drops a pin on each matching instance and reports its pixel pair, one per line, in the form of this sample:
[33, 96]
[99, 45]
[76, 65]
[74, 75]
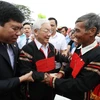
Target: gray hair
[90, 20]
[39, 22]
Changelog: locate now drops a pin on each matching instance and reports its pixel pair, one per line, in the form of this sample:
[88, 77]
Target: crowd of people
[38, 61]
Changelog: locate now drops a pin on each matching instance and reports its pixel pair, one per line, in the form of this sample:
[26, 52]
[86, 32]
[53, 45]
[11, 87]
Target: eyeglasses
[46, 30]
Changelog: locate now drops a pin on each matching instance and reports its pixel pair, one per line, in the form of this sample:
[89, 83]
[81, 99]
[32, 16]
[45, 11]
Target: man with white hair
[39, 56]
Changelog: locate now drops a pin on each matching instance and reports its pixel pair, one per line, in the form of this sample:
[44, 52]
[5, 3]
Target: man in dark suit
[10, 25]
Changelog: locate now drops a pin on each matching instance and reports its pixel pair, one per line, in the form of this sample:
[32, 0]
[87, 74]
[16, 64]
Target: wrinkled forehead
[46, 26]
[79, 25]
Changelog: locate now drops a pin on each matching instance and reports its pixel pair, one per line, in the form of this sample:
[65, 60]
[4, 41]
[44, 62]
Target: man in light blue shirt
[26, 36]
[21, 40]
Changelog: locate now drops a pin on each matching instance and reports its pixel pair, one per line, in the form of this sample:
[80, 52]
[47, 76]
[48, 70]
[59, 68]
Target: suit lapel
[3, 52]
[15, 51]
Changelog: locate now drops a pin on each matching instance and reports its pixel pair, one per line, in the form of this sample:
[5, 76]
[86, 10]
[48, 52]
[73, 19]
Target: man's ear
[35, 32]
[93, 31]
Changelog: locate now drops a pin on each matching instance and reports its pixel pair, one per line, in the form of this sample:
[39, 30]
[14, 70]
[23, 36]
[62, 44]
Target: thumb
[31, 72]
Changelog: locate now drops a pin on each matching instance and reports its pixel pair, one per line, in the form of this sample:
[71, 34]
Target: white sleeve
[63, 43]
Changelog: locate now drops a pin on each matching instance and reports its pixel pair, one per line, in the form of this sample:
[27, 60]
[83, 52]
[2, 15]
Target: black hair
[66, 29]
[27, 23]
[9, 12]
[52, 18]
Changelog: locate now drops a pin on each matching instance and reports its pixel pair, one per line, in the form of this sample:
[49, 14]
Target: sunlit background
[65, 11]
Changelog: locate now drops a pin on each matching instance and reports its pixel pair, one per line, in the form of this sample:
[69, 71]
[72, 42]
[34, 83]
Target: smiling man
[82, 74]
[39, 56]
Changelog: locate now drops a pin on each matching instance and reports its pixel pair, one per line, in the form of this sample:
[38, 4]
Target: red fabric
[97, 90]
[76, 64]
[51, 81]
[46, 65]
[94, 66]
[95, 95]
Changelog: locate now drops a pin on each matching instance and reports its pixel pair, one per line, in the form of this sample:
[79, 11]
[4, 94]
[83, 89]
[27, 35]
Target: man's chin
[13, 41]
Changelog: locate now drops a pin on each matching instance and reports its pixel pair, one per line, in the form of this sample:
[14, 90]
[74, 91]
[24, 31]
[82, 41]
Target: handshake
[49, 79]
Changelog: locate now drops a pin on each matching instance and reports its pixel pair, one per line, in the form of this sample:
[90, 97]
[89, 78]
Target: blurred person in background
[26, 36]
[57, 39]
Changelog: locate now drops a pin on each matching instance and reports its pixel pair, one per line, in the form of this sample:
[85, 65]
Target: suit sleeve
[8, 84]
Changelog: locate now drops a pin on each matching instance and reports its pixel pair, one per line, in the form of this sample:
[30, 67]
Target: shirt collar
[39, 45]
[54, 35]
[88, 48]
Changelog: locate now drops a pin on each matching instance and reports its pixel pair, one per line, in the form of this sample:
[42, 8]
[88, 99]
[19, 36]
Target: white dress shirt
[44, 48]
[59, 42]
[11, 55]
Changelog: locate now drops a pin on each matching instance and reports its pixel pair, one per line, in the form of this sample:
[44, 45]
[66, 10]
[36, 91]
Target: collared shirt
[44, 48]
[11, 55]
[67, 39]
[88, 48]
[22, 40]
[97, 38]
[59, 41]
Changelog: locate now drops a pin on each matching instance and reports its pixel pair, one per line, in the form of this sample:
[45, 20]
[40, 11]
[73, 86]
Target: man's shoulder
[29, 45]
[51, 45]
[59, 35]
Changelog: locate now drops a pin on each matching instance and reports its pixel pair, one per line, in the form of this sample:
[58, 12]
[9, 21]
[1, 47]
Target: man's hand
[57, 75]
[47, 79]
[65, 53]
[26, 77]
[53, 74]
